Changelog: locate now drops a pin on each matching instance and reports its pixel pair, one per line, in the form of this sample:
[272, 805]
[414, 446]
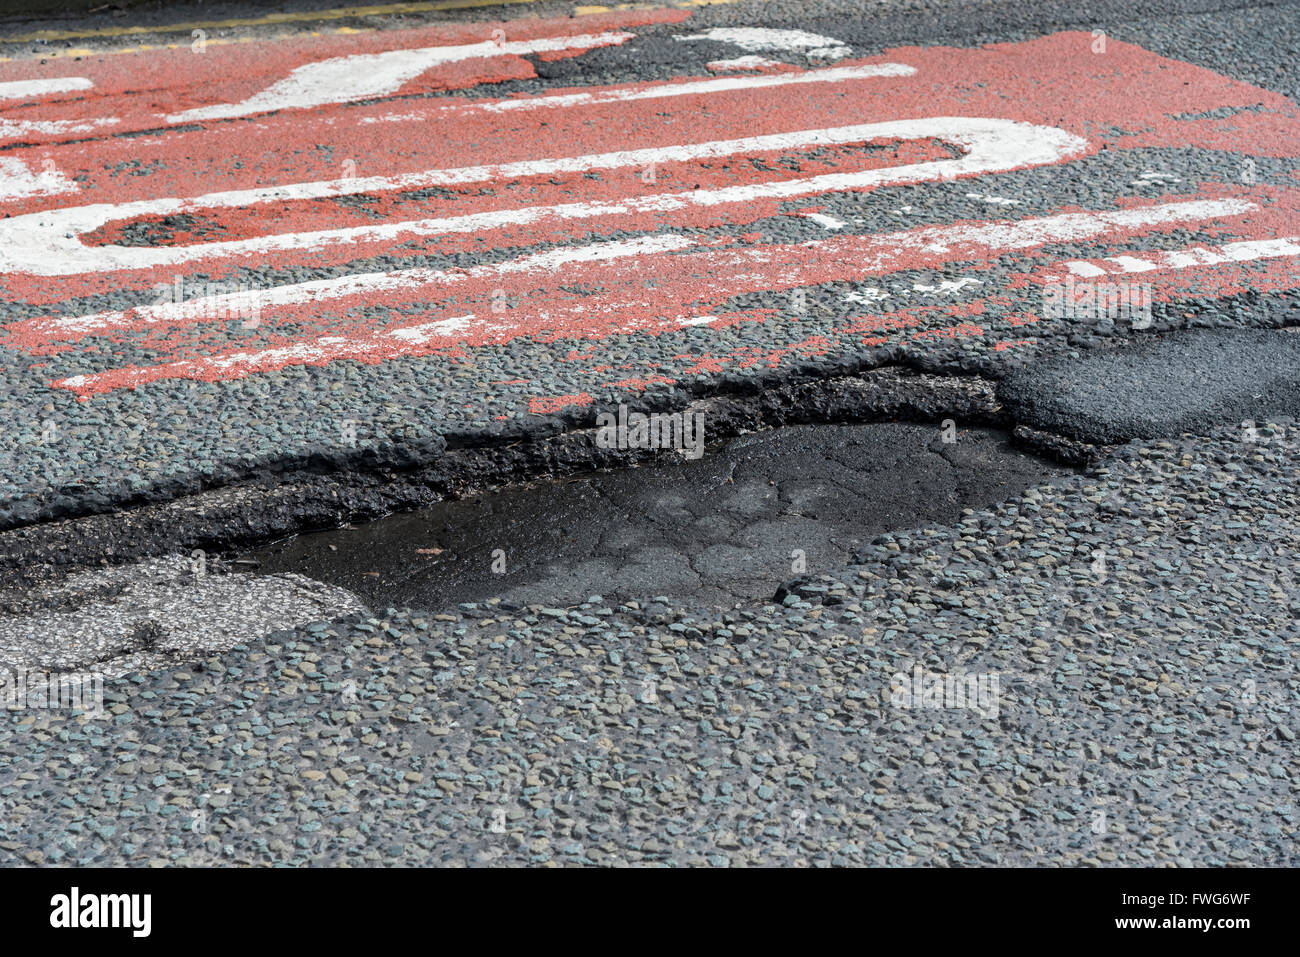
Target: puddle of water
[723, 529]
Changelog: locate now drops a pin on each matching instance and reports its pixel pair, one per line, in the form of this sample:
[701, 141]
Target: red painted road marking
[53, 242]
[627, 303]
[154, 89]
[570, 167]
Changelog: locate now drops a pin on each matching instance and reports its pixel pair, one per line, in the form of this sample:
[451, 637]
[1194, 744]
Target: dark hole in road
[753, 512]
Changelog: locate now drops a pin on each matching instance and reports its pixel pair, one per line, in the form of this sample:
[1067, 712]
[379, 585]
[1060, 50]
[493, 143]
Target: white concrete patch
[49, 243]
[154, 614]
[368, 75]
[18, 180]
[35, 89]
[766, 40]
[697, 321]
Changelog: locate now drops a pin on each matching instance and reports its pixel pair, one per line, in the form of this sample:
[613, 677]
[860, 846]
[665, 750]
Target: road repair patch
[1184, 382]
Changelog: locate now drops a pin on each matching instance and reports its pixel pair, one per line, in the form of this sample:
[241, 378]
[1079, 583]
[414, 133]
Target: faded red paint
[1127, 98]
[545, 406]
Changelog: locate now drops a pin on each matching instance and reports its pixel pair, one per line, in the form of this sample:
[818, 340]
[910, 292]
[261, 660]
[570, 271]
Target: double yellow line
[306, 16]
[339, 13]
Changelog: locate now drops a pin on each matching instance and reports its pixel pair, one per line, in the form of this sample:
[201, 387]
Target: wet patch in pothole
[724, 529]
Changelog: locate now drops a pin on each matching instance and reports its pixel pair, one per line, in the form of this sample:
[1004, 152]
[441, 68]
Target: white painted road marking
[768, 40]
[652, 91]
[17, 179]
[34, 89]
[367, 75]
[1191, 257]
[48, 243]
[874, 255]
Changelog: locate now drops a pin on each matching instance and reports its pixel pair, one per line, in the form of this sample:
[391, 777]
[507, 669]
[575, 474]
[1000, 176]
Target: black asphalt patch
[725, 528]
[1160, 387]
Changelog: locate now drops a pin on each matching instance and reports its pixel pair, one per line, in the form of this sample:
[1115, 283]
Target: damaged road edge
[274, 507]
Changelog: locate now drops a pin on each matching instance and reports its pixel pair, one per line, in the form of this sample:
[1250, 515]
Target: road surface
[262, 275]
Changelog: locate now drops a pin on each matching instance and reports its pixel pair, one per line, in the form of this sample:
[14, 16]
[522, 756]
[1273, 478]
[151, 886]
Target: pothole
[721, 530]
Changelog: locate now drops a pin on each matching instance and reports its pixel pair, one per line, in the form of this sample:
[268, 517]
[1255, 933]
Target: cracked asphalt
[717, 531]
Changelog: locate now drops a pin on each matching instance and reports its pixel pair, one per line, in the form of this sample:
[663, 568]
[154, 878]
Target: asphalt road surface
[981, 551]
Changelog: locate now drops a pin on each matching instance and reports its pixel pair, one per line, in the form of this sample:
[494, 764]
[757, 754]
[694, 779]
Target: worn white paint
[1244, 250]
[947, 287]
[324, 290]
[866, 297]
[767, 40]
[49, 243]
[827, 222]
[740, 63]
[655, 91]
[19, 181]
[1084, 269]
[883, 254]
[994, 200]
[366, 75]
[439, 329]
[35, 89]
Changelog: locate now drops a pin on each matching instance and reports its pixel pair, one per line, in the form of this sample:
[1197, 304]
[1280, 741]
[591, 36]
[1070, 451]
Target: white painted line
[26, 129]
[18, 180]
[654, 92]
[767, 40]
[49, 243]
[368, 75]
[1131, 263]
[323, 290]
[1184, 258]
[742, 63]
[1262, 248]
[1084, 269]
[1245, 250]
[875, 255]
[440, 329]
[33, 89]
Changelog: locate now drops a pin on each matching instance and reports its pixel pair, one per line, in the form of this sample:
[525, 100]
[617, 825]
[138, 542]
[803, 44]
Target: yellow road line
[340, 13]
[74, 53]
[681, 4]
